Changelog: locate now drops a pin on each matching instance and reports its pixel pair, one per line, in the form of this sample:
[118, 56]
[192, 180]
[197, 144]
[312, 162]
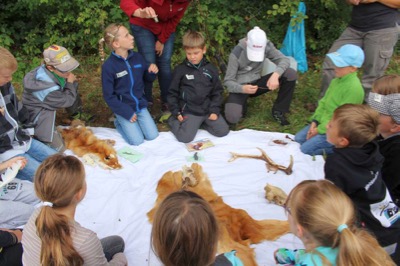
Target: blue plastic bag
[294, 43]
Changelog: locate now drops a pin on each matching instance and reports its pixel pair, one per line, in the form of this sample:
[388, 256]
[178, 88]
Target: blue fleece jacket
[123, 83]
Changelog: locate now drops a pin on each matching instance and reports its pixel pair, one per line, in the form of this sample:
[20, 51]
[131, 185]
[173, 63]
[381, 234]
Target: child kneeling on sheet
[355, 167]
[345, 88]
[195, 95]
[385, 98]
[185, 232]
[122, 78]
[323, 217]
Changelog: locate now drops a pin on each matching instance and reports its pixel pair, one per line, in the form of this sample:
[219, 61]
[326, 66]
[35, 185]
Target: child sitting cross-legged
[195, 94]
[355, 167]
[345, 88]
[324, 218]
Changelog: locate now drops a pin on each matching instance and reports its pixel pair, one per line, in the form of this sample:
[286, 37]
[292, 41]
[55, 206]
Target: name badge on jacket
[121, 74]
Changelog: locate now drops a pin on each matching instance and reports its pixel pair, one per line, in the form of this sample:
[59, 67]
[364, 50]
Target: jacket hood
[366, 156]
[242, 43]
[39, 79]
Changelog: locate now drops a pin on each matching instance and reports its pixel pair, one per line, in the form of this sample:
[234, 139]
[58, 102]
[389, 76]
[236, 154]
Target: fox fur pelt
[237, 229]
[85, 144]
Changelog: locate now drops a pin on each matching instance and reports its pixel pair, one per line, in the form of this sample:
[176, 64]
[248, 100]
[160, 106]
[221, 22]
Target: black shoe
[280, 117]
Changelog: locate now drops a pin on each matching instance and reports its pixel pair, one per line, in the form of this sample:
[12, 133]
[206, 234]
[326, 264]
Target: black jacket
[195, 90]
[357, 171]
[390, 149]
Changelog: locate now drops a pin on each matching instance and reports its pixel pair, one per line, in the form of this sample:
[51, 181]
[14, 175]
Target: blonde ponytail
[57, 180]
[328, 214]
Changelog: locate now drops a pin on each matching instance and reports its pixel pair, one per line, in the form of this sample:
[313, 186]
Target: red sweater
[169, 12]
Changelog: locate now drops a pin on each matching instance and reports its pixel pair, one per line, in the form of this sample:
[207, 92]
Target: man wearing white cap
[48, 88]
[243, 77]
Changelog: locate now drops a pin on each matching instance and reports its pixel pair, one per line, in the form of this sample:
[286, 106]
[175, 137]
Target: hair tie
[47, 203]
[110, 35]
[341, 227]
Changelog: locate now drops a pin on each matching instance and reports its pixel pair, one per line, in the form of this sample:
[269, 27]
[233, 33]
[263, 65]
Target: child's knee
[233, 112]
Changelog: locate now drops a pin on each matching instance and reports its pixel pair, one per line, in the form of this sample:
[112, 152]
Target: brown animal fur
[82, 141]
[237, 229]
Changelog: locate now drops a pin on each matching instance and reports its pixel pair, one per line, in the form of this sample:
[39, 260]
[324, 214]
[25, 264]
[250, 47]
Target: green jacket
[346, 89]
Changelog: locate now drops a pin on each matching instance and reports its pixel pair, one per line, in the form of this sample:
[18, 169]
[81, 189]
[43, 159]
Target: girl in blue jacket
[123, 76]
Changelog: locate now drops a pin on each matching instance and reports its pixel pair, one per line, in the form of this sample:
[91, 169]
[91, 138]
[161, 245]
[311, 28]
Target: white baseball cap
[256, 42]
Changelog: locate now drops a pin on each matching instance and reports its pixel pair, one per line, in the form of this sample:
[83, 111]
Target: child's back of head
[357, 123]
[385, 97]
[57, 181]
[185, 230]
[328, 214]
[193, 39]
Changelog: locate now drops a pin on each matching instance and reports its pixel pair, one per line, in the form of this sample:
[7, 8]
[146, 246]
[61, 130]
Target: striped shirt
[84, 240]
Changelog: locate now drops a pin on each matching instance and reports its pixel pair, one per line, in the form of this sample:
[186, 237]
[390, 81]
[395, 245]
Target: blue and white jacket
[123, 83]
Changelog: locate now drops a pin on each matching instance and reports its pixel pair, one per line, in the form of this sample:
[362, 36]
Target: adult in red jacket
[153, 24]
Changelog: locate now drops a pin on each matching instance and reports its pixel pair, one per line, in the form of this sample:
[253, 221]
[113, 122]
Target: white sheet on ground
[117, 201]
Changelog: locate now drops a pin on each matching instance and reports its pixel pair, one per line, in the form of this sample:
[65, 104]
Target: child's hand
[312, 131]
[134, 118]
[249, 89]
[213, 117]
[180, 118]
[71, 78]
[11, 161]
[153, 69]
[16, 232]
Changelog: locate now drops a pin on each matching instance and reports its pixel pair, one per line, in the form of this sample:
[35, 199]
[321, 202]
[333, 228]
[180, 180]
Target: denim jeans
[36, 154]
[136, 132]
[112, 245]
[146, 43]
[317, 145]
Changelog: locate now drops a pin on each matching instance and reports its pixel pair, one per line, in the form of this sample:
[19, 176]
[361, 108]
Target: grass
[259, 109]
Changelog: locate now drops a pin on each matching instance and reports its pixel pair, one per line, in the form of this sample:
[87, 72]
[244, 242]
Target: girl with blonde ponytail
[52, 237]
[123, 76]
[323, 217]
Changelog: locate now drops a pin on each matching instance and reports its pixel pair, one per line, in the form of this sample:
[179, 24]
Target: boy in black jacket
[195, 94]
[355, 167]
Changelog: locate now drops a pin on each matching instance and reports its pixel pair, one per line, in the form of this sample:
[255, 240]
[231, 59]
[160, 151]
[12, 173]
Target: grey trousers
[378, 46]
[186, 130]
[17, 202]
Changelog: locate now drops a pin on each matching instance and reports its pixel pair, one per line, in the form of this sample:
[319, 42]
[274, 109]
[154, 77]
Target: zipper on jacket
[170, 7]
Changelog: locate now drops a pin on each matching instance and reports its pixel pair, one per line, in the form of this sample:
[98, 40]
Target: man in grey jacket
[243, 77]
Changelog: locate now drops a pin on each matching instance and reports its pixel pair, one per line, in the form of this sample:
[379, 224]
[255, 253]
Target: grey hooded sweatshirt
[43, 95]
[242, 71]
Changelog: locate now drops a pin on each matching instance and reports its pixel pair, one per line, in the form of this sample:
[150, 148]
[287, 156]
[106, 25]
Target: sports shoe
[87, 118]
[280, 117]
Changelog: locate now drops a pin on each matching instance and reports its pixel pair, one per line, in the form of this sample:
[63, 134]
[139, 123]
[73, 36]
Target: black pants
[11, 256]
[236, 103]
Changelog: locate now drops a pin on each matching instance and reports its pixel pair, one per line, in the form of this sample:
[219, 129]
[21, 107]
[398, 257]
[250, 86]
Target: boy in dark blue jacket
[195, 95]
